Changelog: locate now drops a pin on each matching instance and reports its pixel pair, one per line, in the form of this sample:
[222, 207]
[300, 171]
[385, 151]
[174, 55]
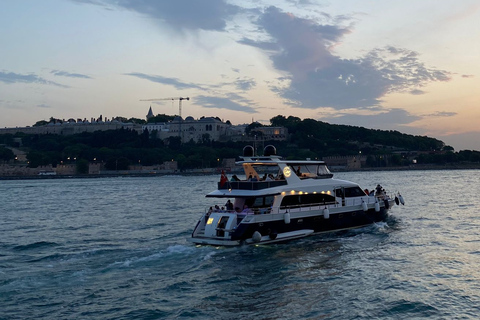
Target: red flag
[223, 179]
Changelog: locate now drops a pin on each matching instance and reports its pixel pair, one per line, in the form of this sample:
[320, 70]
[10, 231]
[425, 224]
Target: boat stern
[216, 229]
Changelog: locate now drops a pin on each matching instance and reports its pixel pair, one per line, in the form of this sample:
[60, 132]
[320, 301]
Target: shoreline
[183, 173]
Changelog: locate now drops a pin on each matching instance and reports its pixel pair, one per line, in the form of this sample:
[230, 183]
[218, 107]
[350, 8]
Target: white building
[205, 128]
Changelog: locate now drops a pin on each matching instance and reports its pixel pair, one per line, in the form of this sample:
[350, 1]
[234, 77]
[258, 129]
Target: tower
[150, 113]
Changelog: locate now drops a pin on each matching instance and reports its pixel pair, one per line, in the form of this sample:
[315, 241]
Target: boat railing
[250, 185]
[307, 206]
[333, 204]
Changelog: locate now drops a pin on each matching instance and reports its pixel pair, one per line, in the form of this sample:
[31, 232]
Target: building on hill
[72, 126]
[273, 133]
[203, 129]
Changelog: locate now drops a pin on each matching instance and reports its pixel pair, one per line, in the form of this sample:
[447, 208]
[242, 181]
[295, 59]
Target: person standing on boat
[229, 205]
[298, 172]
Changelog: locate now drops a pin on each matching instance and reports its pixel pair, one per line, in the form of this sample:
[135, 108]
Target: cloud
[441, 114]
[164, 80]
[70, 75]
[467, 75]
[11, 77]
[390, 118]
[417, 92]
[224, 103]
[180, 14]
[245, 84]
[43, 106]
[318, 78]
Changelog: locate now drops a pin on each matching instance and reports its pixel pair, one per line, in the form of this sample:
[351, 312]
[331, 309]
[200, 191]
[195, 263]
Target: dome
[177, 119]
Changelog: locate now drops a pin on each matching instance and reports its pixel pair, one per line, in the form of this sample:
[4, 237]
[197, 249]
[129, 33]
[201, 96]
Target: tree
[250, 129]
[6, 154]
[136, 120]
[40, 123]
[174, 142]
[82, 166]
[161, 118]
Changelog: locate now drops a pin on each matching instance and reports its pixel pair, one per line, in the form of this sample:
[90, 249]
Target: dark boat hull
[262, 229]
[336, 222]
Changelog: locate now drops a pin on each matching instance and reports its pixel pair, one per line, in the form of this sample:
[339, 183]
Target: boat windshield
[311, 170]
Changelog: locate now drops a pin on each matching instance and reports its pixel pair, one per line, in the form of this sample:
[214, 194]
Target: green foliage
[160, 118]
[40, 123]
[6, 154]
[82, 166]
[136, 120]
[250, 129]
[329, 139]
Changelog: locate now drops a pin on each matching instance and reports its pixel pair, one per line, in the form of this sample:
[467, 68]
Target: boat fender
[401, 199]
[272, 235]
[326, 213]
[387, 204]
[257, 237]
[377, 206]
[397, 201]
[286, 217]
[364, 206]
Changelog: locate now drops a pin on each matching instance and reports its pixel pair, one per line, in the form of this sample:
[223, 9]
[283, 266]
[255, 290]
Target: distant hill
[307, 138]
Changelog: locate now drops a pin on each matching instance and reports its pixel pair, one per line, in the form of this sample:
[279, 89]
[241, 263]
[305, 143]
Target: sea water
[115, 248]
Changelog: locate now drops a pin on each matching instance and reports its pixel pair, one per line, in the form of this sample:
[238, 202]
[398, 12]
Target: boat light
[292, 192]
[210, 221]
[301, 192]
[283, 193]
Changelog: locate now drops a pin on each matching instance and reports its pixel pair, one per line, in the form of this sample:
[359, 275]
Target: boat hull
[270, 228]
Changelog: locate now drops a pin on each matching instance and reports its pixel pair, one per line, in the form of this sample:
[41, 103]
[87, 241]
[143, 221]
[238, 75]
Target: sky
[406, 65]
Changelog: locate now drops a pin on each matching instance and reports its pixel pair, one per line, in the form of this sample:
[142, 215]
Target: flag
[223, 179]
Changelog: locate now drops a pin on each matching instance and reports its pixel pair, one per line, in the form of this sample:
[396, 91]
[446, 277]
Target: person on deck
[229, 205]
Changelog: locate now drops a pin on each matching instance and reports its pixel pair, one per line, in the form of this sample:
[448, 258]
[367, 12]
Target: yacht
[280, 200]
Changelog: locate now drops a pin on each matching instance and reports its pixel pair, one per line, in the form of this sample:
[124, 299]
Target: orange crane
[180, 99]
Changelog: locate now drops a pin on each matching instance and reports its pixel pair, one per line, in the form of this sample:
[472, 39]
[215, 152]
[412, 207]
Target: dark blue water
[115, 248]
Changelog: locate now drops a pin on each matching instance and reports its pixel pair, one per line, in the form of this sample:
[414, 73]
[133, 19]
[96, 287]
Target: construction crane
[180, 99]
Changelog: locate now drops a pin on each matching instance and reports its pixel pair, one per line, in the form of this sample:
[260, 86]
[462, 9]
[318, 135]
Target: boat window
[350, 192]
[259, 202]
[307, 199]
[311, 170]
[323, 170]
